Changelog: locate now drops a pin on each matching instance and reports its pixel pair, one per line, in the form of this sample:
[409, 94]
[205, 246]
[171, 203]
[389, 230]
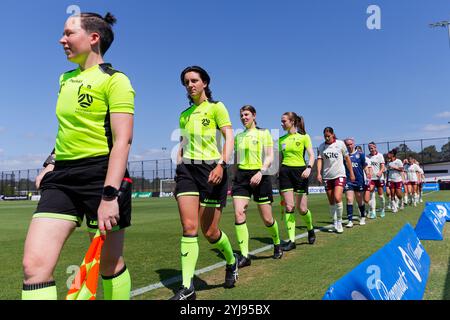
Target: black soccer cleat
[289, 246]
[311, 236]
[231, 273]
[277, 251]
[185, 294]
[244, 261]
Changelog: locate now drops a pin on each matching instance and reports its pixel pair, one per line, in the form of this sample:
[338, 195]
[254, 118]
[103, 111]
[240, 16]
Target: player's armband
[50, 159]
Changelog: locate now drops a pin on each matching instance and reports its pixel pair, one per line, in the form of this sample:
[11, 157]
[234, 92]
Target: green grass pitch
[153, 241]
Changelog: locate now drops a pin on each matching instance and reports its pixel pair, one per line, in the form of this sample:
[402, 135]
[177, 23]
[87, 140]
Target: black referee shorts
[262, 193]
[192, 180]
[74, 190]
[291, 179]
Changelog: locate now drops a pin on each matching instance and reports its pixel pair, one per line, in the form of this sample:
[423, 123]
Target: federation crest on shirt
[206, 122]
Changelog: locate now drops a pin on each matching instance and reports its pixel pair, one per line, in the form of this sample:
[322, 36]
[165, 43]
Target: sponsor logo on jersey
[331, 155]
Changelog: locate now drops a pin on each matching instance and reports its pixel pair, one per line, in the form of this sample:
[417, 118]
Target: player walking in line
[333, 158]
[413, 172]
[421, 180]
[369, 197]
[84, 172]
[356, 188]
[253, 158]
[294, 174]
[407, 196]
[377, 180]
[395, 167]
[201, 178]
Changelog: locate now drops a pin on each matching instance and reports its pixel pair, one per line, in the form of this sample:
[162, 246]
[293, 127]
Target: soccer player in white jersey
[377, 161]
[413, 172]
[395, 167]
[369, 197]
[332, 155]
[421, 180]
[406, 193]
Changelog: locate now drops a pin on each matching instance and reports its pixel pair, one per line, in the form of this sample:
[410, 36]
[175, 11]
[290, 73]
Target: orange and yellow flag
[84, 286]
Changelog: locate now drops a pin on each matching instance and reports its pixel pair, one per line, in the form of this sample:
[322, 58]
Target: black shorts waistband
[291, 167]
[199, 161]
[249, 170]
[82, 162]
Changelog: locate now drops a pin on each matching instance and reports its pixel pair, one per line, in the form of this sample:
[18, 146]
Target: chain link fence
[149, 175]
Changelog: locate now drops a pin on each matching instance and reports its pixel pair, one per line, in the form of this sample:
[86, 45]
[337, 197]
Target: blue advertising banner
[431, 222]
[398, 271]
[430, 186]
[443, 207]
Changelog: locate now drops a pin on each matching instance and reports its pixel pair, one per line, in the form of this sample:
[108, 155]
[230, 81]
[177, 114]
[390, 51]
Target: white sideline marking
[207, 269]
[175, 279]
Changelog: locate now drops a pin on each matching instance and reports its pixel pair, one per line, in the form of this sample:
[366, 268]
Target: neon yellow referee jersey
[199, 126]
[293, 147]
[249, 147]
[85, 101]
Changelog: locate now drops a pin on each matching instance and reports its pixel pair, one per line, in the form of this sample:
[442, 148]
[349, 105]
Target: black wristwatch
[309, 166]
[223, 164]
[109, 193]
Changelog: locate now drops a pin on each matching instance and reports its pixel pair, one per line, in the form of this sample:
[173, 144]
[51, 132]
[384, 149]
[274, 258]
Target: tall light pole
[443, 24]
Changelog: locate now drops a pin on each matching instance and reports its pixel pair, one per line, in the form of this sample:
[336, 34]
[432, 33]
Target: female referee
[201, 178]
[294, 174]
[253, 157]
[83, 175]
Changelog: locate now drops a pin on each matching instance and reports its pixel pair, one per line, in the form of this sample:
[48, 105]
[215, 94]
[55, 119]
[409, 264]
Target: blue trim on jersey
[358, 159]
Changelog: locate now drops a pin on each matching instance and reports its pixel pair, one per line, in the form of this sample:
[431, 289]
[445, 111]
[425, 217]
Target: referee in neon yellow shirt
[83, 175]
[251, 178]
[294, 174]
[201, 178]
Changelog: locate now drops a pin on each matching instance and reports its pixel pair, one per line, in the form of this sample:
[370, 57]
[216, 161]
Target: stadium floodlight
[442, 24]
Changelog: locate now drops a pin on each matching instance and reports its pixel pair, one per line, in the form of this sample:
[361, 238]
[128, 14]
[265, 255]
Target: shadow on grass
[446, 295]
[171, 279]
[264, 240]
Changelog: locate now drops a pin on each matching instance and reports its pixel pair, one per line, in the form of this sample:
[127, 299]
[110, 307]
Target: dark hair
[393, 152]
[205, 78]
[93, 22]
[329, 130]
[250, 108]
[299, 123]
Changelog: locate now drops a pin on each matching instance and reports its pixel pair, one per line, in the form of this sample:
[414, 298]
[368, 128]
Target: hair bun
[110, 19]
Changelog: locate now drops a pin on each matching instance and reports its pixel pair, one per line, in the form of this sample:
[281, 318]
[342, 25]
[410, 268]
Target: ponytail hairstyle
[205, 78]
[299, 123]
[252, 109]
[93, 22]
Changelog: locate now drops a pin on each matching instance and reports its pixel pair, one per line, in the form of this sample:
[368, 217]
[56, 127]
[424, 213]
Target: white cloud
[437, 128]
[445, 114]
[317, 138]
[150, 154]
[21, 162]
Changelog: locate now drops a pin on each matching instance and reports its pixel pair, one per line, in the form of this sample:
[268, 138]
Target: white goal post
[166, 187]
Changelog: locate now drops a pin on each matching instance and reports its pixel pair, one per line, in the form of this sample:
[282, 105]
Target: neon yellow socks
[274, 232]
[242, 237]
[307, 219]
[39, 291]
[189, 256]
[290, 225]
[224, 245]
[117, 286]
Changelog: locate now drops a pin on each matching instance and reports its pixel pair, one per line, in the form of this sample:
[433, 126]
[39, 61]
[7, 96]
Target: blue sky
[317, 58]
